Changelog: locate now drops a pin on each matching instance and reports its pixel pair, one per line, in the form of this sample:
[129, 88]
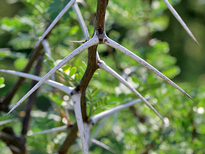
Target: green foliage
[132, 25]
[96, 101]
[2, 82]
[20, 63]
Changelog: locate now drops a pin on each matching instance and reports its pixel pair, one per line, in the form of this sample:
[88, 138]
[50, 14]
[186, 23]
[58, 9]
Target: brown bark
[70, 139]
[90, 70]
[100, 16]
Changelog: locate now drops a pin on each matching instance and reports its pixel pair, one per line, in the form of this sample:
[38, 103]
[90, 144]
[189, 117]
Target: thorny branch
[90, 70]
[92, 65]
[99, 36]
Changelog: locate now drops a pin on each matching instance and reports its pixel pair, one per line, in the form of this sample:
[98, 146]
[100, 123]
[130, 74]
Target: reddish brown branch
[100, 16]
[90, 70]
[140, 117]
[70, 139]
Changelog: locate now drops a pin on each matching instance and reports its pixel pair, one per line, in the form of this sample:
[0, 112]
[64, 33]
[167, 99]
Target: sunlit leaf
[2, 82]
[20, 63]
[73, 71]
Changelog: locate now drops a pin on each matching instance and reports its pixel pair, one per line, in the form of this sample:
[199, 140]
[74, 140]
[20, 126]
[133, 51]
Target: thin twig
[70, 139]
[7, 100]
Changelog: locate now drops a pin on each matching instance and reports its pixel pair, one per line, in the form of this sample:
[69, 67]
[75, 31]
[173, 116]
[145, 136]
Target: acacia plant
[93, 100]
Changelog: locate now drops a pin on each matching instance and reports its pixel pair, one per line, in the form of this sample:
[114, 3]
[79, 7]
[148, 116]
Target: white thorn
[81, 21]
[144, 63]
[96, 118]
[94, 40]
[52, 83]
[77, 109]
[174, 12]
[61, 128]
[103, 66]
[65, 9]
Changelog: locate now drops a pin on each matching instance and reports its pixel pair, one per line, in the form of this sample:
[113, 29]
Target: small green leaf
[84, 65]
[171, 72]
[80, 75]
[73, 71]
[95, 74]
[2, 82]
[20, 63]
[76, 77]
[49, 63]
[73, 30]
[4, 53]
[82, 70]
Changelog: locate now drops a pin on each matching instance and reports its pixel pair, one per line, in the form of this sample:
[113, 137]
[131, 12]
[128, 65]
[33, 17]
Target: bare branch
[4, 105]
[90, 70]
[7, 100]
[32, 98]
